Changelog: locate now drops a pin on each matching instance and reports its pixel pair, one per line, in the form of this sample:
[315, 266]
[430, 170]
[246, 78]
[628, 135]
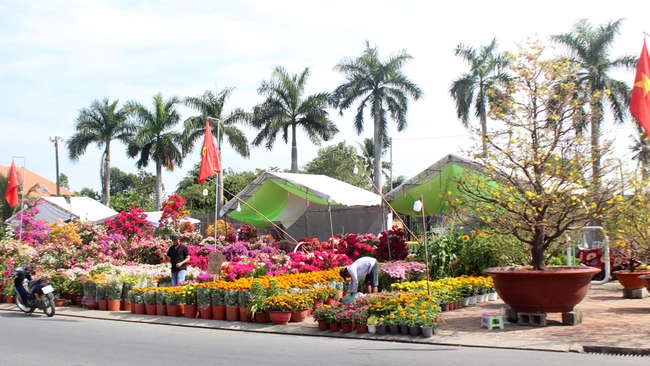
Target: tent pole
[426, 250]
[329, 210]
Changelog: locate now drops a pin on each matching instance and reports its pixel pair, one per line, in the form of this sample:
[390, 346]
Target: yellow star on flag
[644, 83]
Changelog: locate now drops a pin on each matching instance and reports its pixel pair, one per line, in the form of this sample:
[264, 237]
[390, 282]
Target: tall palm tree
[591, 49]
[100, 124]
[211, 105]
[488, 68]
[367, 156]
[382, 88]
[156, 140]
[286, 108]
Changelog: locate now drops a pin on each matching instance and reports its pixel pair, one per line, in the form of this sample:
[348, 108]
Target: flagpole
[22, 198]
[216, 185]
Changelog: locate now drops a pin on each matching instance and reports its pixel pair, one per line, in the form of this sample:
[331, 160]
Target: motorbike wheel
[24, 308]
[48, 303]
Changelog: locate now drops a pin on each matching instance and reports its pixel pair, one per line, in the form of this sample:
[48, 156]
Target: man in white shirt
[364, 266]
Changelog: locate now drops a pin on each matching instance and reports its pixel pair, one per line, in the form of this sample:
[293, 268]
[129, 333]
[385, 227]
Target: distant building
[41, 186]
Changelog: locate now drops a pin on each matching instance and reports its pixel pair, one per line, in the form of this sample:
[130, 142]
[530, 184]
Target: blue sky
[56, 57]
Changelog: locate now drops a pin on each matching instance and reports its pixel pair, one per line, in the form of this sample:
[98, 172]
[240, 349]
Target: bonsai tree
[627, 227]
[537, 183]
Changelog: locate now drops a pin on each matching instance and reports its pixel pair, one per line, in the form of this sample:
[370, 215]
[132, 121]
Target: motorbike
[33, 294]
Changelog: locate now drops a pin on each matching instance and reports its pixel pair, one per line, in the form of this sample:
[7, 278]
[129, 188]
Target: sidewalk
[611, 324]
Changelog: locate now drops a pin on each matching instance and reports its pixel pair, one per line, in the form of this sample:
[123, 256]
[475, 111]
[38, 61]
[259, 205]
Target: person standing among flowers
[178, 256]
[364, 266]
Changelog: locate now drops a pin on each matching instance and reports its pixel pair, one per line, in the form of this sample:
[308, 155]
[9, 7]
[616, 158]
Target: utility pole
[56, 140]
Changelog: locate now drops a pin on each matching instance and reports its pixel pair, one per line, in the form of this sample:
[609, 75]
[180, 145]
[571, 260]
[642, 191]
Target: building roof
[43, 187]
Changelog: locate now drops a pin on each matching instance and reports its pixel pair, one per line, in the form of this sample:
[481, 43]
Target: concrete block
[572, 317]
[532, 319]
[635, 293]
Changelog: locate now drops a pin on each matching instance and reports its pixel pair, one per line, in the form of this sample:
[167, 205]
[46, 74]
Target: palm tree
[367, 156]
[156, 140]
[211, 105]
[382, 88]
[487, 69]
[100, 124]
[286, 108]
[591, 49]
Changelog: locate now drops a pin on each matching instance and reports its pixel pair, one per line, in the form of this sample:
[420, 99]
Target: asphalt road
[38, 340]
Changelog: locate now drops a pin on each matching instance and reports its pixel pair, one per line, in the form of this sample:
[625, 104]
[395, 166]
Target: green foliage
[89, 192]
[338, 161]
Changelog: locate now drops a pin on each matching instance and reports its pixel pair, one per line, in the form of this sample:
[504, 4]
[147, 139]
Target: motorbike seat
[32, 283]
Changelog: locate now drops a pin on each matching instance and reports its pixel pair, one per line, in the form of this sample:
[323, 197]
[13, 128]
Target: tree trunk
[107, 176]
[596, 113]
[294, 150]
[378, 147]
[538, 249]
[158, 186]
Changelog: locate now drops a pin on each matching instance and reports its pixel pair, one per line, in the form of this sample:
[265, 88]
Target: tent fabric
[154, 218]
[303, 201]
[436, 185]
[56, 208]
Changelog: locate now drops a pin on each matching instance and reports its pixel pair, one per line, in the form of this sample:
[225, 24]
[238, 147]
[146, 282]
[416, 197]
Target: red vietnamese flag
[210, 164]
[11, 195]
[640, 99]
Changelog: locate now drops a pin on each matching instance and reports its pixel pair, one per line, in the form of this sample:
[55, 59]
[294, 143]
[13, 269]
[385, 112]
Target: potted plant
[231, 298]
[149, 298]
[324, 315]
[372, 324]
[204, 301]
[529, 182]
[217, 296]
[190, 310]
[256, 303]
[9, 291]
[279, 308]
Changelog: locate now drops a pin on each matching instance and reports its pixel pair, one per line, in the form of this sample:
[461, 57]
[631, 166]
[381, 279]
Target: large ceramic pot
[631, 280]
[280, 317]
[646, 280]
[554, 290]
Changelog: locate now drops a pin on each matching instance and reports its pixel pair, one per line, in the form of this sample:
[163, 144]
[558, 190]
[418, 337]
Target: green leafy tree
[100, 124]
[63, 181]
[397, 181]
[641, 149]
[132, 190]
[338, 162]
[122, 181]
[382, 88]
[89, 192]
[235, 182]
[591, 48]
[286, 108]
[488, 68]
[212, 105]
[367, 156]
[156, 139]
[123, 201]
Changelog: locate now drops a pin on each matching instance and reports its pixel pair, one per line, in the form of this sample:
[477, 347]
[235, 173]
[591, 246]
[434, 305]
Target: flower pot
[174, 310]
[346, 328]
[444, 306]
[245, 315]
[426, 331]
[554, 290]
[191, 310]
[646, 281]
[630, 280]
[59, 302]
[458, 304]
[102, 304]
[393, 328]
[372, 329]
[362, 328]
[150, 309]
[9, 299]
[404, 329]
[452, 306]
[78, 300]
[161, 310]
[492, 296]
[126, 305]
[219, 312]
[205, 311]
[298, 316]
[133, 308]
[316, 305]
[2, 298]
[280, 317]
[465, 301]
[472, 300]
[323, 325]
[262, 317]
[140, 309]
[330, 301]
[381, 329]
[232, 313]
[113, 305]
[415, 330]
[335, 327]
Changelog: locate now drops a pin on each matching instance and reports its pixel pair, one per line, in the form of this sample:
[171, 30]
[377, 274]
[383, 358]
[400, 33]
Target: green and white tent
[306, 205]
[435, 184]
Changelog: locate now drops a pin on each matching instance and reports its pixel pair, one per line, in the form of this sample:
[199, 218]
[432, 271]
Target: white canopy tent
[154, 218]
[52, 209]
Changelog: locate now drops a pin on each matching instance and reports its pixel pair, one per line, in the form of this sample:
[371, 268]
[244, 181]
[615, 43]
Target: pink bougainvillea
[398, 249]
[132, 224]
